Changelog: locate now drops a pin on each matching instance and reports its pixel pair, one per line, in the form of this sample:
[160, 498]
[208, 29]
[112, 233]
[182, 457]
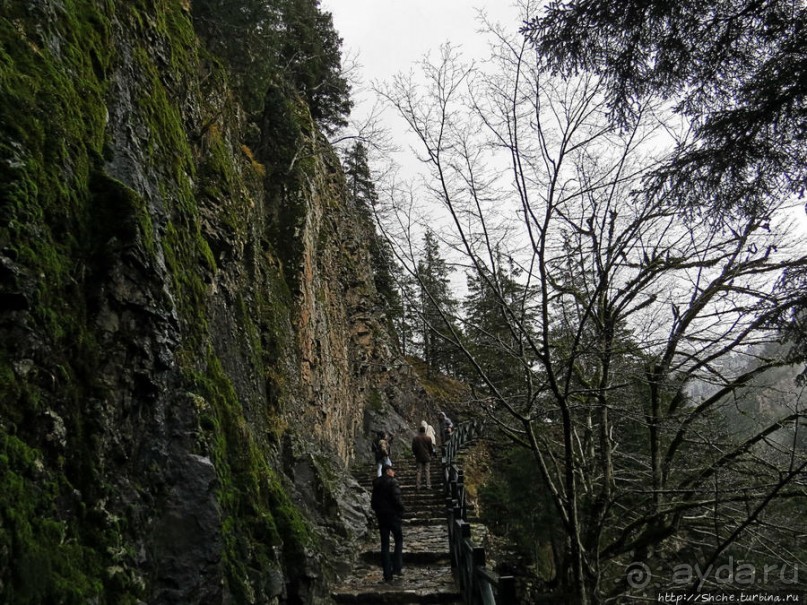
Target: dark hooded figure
[446, 427]
[389, 510]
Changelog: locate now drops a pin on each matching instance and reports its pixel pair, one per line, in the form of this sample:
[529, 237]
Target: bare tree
[365, 124]
[625, 306]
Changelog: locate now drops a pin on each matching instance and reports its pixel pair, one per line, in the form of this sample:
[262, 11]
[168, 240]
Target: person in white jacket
[430, 433]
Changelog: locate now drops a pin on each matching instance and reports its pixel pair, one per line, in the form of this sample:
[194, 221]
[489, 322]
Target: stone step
[425, 537]
[417, 539]
[413, 480]
[436, 488]
[427, 584]
[439, 514]
[436, 491]
[423, 497]
[412, 559]
[425, 520]
[425, 511]
[411, 491]
[424, 492]
[435, 516]
[414, 508]
[413, 505]
[438, 510]
[405, 470]
[404, 482]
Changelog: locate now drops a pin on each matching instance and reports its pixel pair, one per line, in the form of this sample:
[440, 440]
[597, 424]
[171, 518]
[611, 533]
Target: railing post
[461, 532]
[451, 540]
[479, 556]
[506, 594]
[455, 546]
[454, 483]
[466, 566]
[461, 495]
[477, 560]
[456, 511]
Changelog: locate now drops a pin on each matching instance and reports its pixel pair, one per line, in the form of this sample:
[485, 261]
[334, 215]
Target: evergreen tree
[407, 322]
[496, 314]
[437, 309]
[363, 196]
[360, 184]
[246, 35]
[311, 59]
[267, 43]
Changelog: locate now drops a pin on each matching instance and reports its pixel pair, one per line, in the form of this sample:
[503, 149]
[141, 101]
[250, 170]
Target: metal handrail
[463, 433]
[479, 585]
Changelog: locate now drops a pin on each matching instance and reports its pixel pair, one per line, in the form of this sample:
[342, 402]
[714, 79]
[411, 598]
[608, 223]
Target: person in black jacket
[389, 510]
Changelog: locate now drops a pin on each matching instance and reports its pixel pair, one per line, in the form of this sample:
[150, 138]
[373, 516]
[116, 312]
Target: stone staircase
[427, 575]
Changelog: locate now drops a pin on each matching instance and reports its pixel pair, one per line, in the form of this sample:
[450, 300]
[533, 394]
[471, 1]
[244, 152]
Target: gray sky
[389, 35]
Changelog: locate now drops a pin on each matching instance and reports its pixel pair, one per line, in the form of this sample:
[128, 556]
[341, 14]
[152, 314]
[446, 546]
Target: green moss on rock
[41, 559]
[64, 217]
[52, 128]
[259, 516]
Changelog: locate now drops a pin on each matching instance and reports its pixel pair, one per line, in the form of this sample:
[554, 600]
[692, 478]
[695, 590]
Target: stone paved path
[428, 577]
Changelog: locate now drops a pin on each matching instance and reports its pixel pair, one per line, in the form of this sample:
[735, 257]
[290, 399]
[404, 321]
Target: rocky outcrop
[192, 345]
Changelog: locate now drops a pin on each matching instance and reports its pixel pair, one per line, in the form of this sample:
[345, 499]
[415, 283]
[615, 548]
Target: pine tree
[497, 316]
[246, 36]
[363, 197]
[360, 183]
[437, 309]
[407, 321]
[271, 43]
[734, 70]
[311, 59]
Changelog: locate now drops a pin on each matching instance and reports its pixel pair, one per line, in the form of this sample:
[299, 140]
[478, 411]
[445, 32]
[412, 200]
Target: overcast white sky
[389, 35]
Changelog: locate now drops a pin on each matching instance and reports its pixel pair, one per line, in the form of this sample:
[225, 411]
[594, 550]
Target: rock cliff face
[191, 345]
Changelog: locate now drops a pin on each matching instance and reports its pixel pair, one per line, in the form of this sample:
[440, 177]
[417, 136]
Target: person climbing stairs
[427, 574]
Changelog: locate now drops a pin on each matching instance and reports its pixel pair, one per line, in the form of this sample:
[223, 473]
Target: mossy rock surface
[150, 320]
